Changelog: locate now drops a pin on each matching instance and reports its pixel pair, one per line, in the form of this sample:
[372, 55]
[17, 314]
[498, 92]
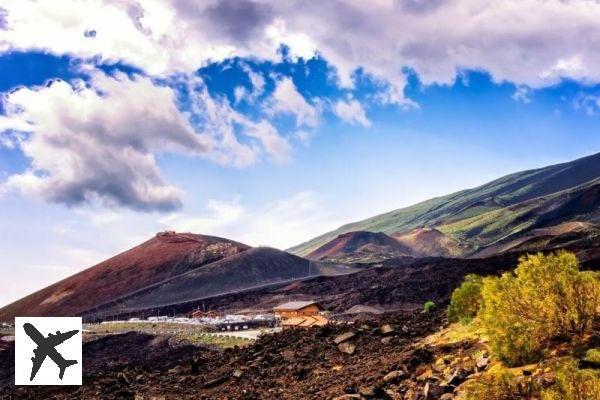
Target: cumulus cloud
[99, 143]
[383, 39]
[511, 39]
[216, 118]
[352, 112]
[287, 100]
[86, 146]
[282, 223]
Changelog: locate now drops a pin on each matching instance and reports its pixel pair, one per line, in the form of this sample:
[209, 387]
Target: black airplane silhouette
[46, 347]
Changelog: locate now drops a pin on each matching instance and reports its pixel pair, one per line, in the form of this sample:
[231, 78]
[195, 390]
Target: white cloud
[217, 119]
[219, 215]
[281, 223]
[352, 112]
[258, 86]
[522, 94]
[87, 146]
[98, 144]
[511, 39]
[158, 36]
[286, 100]
[303, 136]
[274, 144]
[590, 104]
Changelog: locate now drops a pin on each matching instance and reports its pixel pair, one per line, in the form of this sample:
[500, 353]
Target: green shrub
[593, 355]
[466, 300]
[546, 297]
[499, 384]
[429, 306]
[574, 384]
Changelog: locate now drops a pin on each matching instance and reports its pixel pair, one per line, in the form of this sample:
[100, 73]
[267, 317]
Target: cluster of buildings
[293, 314]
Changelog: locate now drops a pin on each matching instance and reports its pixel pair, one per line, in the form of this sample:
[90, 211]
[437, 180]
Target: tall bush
[466, 299]
[546, 297]
[574, 384]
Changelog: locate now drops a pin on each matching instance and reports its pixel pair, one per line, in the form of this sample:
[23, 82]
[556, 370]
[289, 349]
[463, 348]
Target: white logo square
[48, 350]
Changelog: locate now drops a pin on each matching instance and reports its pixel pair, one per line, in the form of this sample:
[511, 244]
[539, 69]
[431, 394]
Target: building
[197, 314]
[304, 322]
[294, 309]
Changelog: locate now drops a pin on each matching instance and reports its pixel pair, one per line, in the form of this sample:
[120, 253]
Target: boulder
[237, 373]
[394, 376]
[482, 363]
[433, 391]
[343, 337]
[346, 347]
[385, 329]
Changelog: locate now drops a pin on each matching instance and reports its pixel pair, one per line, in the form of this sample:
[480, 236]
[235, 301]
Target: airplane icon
[46, 348]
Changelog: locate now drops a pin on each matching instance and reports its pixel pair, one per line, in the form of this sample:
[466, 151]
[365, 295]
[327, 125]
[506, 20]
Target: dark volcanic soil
[295, 364]
[395, 285]
[253, 267]
[104, 357]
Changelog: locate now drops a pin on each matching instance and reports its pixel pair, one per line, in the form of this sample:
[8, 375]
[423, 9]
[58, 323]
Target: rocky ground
[403, 356]
[383, 359]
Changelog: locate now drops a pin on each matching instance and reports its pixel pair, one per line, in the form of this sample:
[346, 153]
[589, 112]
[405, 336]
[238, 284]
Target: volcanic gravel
[294, 364]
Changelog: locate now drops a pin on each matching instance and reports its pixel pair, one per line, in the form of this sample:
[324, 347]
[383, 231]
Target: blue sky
[181, 117]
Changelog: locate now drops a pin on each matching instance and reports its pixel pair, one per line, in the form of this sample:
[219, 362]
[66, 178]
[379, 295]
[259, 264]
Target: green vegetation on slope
[487, 208]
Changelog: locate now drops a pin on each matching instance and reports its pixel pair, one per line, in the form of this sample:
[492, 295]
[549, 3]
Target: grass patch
[593, 355]
[147, 327]
[223, 342]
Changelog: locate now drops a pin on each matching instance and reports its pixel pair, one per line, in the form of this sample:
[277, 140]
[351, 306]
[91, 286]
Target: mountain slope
[581, 203]
[499, 194]
[254, 267]
[429, 242]
[359, 245]
[166, 255]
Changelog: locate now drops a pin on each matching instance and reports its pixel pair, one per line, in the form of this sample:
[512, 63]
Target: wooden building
[297, 309]
[197, 314]
[304, 322]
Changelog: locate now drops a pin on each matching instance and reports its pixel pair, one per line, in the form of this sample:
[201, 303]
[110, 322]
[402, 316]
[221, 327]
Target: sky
[270, 122]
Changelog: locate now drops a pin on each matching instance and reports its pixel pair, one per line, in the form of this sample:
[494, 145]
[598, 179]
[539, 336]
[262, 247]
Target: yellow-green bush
[574, 384]
[546, 296]
[428, 306]
[593, 355]
[499, 384]
[466, 299]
